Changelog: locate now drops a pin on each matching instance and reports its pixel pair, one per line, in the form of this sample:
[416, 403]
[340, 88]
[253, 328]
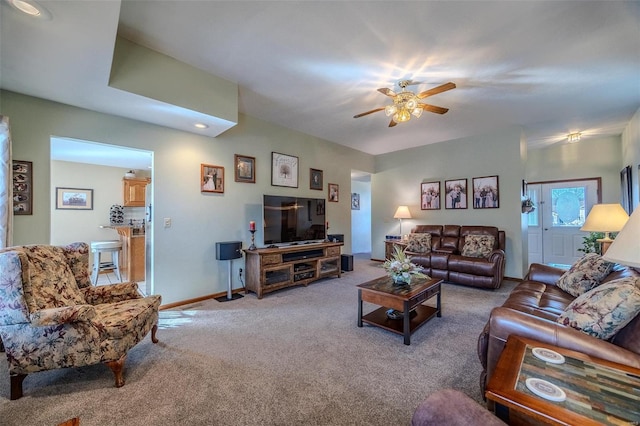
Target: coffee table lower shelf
[418, 317]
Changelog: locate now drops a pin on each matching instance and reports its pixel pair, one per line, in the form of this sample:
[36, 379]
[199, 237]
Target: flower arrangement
[400, 267]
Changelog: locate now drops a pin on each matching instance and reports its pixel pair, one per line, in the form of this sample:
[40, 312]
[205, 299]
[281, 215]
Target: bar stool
[98, 248]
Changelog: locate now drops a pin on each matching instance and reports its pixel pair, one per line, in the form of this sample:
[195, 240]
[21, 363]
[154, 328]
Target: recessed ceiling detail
[142, 71]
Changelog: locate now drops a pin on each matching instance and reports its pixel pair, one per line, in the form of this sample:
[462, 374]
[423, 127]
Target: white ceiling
[549, 67]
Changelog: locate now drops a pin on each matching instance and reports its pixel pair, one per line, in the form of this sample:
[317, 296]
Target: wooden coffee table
[597, 391]
[407, 299]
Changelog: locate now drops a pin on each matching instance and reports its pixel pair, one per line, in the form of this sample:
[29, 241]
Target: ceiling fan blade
[436, 90]
[368, 112]
[387, 92]
[433, 108]
[392, 123]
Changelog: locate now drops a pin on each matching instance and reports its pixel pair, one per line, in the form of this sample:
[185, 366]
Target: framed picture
[211, 178]
[486, 192]
[455, 194]
[284, 170]
[22, 187]
[315, 179]
[625, 184]
[245, 168]
[334, 192]
[355, 201]
[74, 199]
[430, 195]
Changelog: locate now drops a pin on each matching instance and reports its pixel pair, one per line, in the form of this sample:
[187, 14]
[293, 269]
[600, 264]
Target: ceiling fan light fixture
[390, 110]
[402, 116]
[417, 112]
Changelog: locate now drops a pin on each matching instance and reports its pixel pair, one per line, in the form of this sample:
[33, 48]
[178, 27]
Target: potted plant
[527, 205]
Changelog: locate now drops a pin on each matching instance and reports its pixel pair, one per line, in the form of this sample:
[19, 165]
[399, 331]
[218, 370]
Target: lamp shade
[605, 218]
[402, 213]
[625, 249]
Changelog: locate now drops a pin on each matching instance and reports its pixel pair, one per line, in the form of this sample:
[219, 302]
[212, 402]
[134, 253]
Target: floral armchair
[52, 317]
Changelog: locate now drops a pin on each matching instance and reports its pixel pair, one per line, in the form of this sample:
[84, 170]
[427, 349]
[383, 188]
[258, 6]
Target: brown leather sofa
[446, 262]
[531, 311]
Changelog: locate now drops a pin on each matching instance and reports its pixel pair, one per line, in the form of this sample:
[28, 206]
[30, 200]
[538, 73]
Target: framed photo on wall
[74, 199]
[315, 179]
[486, 193]
[22, 187]
[455, 194]
[245, 168]
[334, 192]
[284, 170]
[211, 178]
[430, 195]
[355, 201]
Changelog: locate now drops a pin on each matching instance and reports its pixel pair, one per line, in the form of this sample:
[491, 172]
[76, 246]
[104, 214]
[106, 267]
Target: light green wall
[185, 265]
[184, 258]
[588, 158]
[399, 174]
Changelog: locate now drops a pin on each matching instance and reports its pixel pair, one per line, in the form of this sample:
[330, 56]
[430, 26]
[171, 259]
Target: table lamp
[402, 213]
[605, 218]
[625, 249]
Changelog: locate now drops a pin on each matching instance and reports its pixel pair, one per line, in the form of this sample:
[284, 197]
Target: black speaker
[339, 238]
[228, 250]
[346, 262]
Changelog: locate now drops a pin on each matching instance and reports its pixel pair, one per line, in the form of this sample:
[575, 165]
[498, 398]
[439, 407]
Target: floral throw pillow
[478, 245]
[604, 310]
[585, 274]
[419, 243]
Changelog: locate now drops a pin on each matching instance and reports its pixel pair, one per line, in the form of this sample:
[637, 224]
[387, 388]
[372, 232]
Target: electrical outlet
[240, 272]
[167, 222]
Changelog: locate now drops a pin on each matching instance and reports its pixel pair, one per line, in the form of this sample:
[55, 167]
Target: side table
[597, 391]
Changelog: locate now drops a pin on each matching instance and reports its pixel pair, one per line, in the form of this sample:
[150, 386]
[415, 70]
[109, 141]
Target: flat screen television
[293, 220]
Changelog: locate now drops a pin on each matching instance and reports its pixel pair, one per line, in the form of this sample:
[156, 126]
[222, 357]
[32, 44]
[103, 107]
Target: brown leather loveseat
[445, 259]
[531, 311]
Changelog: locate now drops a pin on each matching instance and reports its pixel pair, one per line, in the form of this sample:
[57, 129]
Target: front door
[554, 228]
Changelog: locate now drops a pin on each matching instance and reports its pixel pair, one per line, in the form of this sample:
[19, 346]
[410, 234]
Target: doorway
[99, 168]
[360, 212]
[554, 226]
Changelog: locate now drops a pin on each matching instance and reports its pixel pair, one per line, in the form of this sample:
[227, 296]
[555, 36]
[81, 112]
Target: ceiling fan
[407, 103]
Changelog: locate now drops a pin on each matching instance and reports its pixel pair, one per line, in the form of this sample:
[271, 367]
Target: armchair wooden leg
[154, 339]
[16, 385]
[118, 367]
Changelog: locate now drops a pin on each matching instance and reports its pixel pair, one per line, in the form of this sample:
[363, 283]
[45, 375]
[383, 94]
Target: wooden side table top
[597, 391]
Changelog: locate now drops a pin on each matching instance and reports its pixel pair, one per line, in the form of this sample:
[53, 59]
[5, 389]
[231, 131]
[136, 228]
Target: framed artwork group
[284, 172]
[484, 194]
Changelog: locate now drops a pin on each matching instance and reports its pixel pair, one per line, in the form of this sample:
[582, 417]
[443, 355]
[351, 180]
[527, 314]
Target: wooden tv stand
[270, 269]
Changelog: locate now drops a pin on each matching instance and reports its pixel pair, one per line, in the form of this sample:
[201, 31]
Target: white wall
[68, 226]
[184, 258]
[399, 175]
[361, 219]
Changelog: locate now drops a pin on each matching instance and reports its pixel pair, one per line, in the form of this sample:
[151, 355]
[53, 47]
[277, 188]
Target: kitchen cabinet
[134, 190]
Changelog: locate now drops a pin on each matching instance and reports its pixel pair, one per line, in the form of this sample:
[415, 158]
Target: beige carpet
[295, 357]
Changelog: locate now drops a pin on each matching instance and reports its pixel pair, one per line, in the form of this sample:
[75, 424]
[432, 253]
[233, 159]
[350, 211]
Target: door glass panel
[568, 208]
[533, 217]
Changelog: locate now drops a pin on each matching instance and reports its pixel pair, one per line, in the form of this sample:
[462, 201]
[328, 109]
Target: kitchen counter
[133, 254]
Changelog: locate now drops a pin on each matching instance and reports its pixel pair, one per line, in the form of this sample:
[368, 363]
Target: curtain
[6, 188]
